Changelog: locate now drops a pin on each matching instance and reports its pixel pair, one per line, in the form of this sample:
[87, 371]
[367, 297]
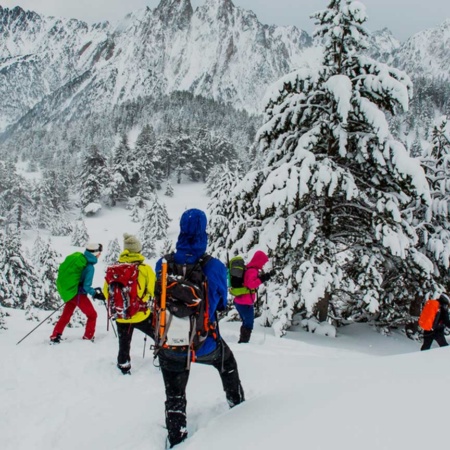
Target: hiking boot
[175, 440]
[125, 368]
[88, 339]
[56, 339]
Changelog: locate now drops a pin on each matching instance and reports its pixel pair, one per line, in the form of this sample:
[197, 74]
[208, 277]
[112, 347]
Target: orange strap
[162, 322]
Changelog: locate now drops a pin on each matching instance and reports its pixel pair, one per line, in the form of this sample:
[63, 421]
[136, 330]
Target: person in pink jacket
[253, 277]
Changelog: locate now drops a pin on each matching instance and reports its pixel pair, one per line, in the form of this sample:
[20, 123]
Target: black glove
[266, 276]
[99, 294]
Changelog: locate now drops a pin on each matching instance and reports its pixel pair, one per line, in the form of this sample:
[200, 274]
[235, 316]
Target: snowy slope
[359, 390]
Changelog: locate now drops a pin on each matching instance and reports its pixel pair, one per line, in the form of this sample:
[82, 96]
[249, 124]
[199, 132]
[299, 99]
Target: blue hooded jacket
[190, 247]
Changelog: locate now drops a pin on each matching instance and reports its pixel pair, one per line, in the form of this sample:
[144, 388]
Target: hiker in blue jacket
[190, 247]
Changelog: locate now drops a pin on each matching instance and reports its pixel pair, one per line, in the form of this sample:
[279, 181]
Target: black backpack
[184, 325]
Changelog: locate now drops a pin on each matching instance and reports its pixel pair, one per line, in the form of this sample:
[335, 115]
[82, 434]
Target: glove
[266, 276]
[99, 294]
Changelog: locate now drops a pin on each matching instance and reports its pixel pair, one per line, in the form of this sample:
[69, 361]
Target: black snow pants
[176, 376]
[429, 337]
[125, 333]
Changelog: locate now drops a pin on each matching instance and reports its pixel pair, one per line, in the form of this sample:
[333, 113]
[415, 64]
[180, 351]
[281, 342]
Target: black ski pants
[437, 336]
[125, 333]
[175, 375]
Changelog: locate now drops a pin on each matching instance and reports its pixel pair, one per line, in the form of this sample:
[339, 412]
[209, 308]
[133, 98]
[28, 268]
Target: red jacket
[251, 278]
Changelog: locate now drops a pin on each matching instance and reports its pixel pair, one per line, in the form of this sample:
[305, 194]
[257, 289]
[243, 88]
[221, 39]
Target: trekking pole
[145, 344]
[41, 323]
[265, 316]
[108, 320]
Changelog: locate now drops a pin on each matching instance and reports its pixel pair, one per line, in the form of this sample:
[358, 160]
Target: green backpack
[236, 271]
[69, 275]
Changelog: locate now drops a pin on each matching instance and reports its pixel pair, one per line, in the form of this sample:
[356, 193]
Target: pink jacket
[251, 280]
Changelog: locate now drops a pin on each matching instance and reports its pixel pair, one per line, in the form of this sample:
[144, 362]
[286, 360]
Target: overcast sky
[402, 17]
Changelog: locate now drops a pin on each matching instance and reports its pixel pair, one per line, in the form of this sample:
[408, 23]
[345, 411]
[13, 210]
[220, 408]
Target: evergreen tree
[80, 235]
[2, 317]
[434, 222]
[93, 177]
[20, 284]
[144, 179]
[329, 206]
[147, 235]
[119, 187]
[169, 190]
[220, 186]
[45, 260]
[112, 252]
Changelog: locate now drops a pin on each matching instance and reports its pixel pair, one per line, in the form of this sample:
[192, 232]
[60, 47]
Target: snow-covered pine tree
[144, 178]
[3, 315]
[157, 217]
[434, 222]
[119, 186]
[147, 235]
[80, 235]
[220, 186]
[112, 252]
[45, 260]
[93, 177]
[20, 284]
[169, 190]
[329, 205]
[16, 202]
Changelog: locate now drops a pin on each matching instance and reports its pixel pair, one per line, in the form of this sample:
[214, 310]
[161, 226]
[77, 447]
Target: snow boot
[89, 339]
[245, 335]
[56, 339]
[125, 368]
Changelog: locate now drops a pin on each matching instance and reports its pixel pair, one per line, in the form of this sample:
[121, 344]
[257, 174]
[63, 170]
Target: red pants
[83, 302]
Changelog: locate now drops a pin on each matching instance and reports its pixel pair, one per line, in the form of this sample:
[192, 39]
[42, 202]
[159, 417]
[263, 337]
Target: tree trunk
[412, 326]
[322, 308]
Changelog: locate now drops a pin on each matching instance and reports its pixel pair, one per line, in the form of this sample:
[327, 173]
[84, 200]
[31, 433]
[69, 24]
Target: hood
[258, 260]
[129, 257]
[192, 240]
[91, 258]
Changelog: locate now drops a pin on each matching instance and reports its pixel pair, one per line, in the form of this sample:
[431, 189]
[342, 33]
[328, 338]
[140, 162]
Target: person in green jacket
[81, 299]
[142, 319]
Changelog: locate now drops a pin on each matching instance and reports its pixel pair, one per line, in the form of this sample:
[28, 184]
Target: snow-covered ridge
[218, 51]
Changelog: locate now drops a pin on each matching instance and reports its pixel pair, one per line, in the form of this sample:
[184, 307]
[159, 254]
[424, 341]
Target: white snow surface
[358, 390]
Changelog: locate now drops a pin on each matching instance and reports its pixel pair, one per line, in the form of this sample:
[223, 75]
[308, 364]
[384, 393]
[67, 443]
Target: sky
[403, 17]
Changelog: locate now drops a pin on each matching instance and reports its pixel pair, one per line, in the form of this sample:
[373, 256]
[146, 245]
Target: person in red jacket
[253, 278]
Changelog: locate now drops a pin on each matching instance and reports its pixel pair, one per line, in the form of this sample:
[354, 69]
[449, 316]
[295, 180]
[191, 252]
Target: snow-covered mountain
[382, 44]
[65, 68]
[426, 53]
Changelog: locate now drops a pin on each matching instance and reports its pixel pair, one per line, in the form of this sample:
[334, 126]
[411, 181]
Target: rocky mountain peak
[177, 12]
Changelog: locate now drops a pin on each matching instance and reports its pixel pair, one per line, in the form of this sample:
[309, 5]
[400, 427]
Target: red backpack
[123, 299]
[428, 315]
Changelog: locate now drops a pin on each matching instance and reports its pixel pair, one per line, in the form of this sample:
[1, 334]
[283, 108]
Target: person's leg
[124, 334]
[91, 314]
[440, 339]
[427, 341]
[175, 386]
[68, 310]
[146, 327]
[226, 364]
[247, 314]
